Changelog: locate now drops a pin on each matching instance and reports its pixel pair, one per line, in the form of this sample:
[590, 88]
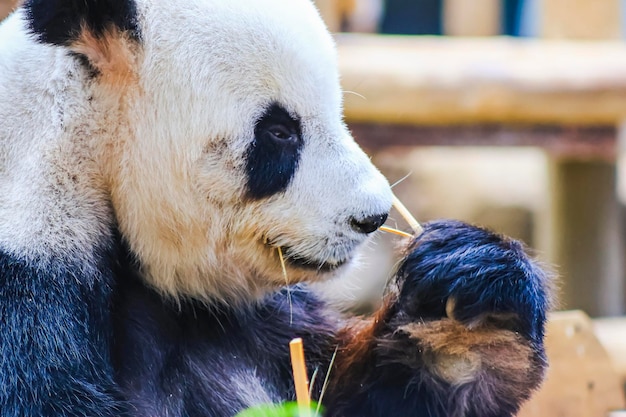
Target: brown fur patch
[456, 353]
[112, 54]
[357, 342]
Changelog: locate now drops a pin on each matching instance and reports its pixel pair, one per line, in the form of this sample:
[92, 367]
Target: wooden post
[588, 243]
[472, 18]
[586, 222]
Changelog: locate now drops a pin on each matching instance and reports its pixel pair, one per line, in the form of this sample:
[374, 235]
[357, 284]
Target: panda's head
[228, 143]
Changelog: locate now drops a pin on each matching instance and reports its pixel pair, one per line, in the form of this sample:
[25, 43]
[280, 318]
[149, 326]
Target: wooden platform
[583, 380]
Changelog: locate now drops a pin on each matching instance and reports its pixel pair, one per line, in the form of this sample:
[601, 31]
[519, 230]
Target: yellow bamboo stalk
[406, 214]
[300, 378]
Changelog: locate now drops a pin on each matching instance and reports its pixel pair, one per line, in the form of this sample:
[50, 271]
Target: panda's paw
[474, 304]
[475, 277]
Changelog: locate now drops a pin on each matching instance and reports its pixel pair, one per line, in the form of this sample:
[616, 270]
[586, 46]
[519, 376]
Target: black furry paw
[468, 318]
[475, 276]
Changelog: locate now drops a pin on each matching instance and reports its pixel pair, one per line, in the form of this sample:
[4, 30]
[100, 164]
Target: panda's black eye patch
[273, 155]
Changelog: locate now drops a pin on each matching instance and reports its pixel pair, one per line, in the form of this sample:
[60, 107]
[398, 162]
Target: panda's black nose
[368, 224]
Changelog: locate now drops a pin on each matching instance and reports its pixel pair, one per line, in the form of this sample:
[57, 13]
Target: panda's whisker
[402, 179]
[323, 262]
[312, 381]
[284, 268]
[355, 93]
[393, 220]
[326, 379]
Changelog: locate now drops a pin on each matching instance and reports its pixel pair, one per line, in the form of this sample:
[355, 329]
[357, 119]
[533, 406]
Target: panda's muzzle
[297, 259]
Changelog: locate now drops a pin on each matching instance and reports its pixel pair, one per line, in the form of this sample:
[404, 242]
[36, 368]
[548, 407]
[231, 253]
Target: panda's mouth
[303, 262]
[296, 260]
[334, 258]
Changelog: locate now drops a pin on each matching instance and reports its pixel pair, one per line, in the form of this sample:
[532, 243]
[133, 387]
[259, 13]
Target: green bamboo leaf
[282, 410]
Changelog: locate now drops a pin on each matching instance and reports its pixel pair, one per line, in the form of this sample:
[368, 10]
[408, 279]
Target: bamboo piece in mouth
[395, 231]
[406, 214]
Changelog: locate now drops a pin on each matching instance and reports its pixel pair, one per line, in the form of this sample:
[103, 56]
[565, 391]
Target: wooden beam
[583, 143]
[424, 80]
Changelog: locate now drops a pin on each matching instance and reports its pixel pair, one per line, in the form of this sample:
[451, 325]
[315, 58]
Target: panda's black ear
[99, 32]
[61, 22]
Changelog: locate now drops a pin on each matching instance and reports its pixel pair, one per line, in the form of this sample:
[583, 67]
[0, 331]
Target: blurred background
[504, 113]
[6, 6]
[508, 114]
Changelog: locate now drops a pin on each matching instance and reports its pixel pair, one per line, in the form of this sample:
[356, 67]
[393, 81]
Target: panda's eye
[278, 128]
[282, 133]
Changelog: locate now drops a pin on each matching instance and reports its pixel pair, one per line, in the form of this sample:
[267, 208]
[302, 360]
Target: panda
[158, 160]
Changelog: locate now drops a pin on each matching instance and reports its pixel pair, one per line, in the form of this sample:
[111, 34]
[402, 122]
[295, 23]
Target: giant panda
[156, 160]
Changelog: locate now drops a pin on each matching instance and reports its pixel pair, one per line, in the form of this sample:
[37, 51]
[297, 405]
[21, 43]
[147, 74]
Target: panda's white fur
[53, 198]
[156, 146]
